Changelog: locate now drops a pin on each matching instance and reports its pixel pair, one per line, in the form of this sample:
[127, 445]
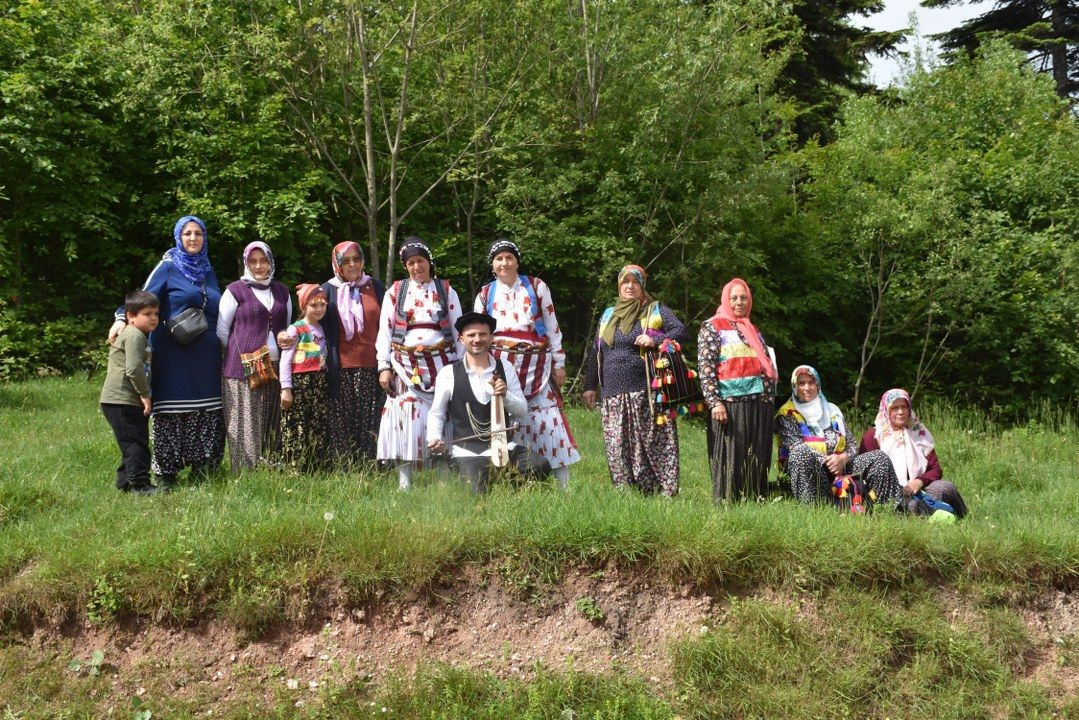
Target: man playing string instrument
[464, 394]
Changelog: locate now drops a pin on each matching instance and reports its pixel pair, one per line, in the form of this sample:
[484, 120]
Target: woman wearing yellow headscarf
[640, 452]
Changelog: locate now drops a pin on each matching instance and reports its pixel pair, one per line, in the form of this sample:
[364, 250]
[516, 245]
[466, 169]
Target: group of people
[895, 461]
[352, 380]
[397, 374]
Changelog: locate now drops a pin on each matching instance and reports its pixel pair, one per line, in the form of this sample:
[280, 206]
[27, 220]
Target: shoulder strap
[537, 310]
[487, 297]
[400, 321]
[443, 288]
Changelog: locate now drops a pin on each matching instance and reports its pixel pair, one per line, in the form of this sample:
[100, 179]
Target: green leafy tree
[949, 213]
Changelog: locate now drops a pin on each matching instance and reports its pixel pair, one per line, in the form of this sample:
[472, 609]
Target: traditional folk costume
[738, 373]
[912, 452]
[640, 452]
[351, 324]
[463, 396]
[250, 315]
[809, 432]
[528, 337]
[188, 427]
[305, 426]
[416, 339]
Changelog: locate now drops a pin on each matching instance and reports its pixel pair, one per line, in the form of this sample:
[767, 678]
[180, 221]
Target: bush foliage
[930, 243]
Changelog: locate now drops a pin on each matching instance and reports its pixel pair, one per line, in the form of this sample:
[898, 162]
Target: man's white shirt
[480, 381]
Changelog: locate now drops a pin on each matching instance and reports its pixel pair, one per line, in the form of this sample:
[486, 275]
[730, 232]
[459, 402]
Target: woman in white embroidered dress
[529, 338]
[416, 338]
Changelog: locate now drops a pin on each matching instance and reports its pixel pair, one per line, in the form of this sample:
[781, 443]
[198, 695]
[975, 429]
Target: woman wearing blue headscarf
[185, 379]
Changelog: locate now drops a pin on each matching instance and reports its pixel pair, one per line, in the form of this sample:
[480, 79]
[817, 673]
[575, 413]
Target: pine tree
[832, 59]
[1047, 29]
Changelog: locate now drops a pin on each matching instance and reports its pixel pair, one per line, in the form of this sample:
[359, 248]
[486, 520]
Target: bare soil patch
[592, 621]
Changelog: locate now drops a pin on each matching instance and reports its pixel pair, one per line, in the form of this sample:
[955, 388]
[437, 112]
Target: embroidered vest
[738, 371]
[487, 297]
[252, 323]
[400, 316]
[464, 406]
[308, 357]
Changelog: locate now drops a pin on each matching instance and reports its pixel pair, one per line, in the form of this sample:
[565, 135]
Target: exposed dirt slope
[593, 621]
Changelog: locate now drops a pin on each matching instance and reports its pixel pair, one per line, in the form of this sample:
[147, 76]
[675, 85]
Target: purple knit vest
[252, 322]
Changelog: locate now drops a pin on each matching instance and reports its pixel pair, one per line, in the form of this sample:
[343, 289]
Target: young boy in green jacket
[125, 396]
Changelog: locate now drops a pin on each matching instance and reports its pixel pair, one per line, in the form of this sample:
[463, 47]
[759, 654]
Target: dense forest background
[927, 236]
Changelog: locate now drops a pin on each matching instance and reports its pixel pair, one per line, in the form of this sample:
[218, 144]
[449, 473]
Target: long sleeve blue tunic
[184, 378]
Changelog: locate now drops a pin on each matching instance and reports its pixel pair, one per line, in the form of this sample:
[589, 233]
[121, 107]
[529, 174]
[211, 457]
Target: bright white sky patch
[896, 14]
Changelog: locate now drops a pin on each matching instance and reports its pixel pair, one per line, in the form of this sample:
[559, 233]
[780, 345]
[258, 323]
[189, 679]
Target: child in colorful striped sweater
[305, 420]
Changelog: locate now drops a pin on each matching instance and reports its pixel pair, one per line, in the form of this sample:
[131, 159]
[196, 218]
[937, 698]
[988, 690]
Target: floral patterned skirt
[545, 430]
[356, 412]
[252, 417]
[811, 481]
[640, 453]
[305, 426]
[189, 439]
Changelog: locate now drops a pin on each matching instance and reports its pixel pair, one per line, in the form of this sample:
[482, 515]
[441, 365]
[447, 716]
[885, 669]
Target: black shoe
[145, 490]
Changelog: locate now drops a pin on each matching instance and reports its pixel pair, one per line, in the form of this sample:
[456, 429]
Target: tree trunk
[369, 154]
[1058, 51]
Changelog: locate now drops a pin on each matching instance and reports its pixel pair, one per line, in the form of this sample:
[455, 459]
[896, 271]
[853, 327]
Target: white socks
[404, 475]
[561, 474]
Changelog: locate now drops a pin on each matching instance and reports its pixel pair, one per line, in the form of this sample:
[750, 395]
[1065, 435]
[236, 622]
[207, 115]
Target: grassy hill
[808, 613]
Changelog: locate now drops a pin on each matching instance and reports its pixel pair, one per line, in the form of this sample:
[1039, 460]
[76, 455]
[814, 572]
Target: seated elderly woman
[909, 445]
[816, 445]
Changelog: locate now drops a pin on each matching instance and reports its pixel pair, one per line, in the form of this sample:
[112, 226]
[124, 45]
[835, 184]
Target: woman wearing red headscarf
[738, 378]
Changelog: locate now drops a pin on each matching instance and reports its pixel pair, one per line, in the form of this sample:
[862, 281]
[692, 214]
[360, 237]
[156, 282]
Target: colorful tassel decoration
[661, 420]
[656, 383]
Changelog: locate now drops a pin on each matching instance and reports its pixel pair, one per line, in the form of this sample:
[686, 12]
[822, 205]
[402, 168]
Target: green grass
[259, 548]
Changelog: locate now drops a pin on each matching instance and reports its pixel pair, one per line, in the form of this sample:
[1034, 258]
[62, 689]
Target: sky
[896, 15]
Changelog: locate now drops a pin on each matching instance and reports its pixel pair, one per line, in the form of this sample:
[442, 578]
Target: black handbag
[189, 324]
[673, 386]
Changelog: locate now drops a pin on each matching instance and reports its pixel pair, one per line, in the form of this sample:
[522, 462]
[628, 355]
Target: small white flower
[292, 683]
[328, 516]
[312, 684]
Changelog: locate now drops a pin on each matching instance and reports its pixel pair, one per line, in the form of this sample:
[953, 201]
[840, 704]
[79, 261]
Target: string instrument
[500, 453]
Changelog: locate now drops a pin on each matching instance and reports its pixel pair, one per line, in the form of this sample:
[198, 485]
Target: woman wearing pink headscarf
[351, 327]
[899, 433]
[738, 378]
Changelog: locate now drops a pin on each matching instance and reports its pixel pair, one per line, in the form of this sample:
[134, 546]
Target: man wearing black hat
[463, 393]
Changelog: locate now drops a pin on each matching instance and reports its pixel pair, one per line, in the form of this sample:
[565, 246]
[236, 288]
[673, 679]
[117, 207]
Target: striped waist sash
[530, 356]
